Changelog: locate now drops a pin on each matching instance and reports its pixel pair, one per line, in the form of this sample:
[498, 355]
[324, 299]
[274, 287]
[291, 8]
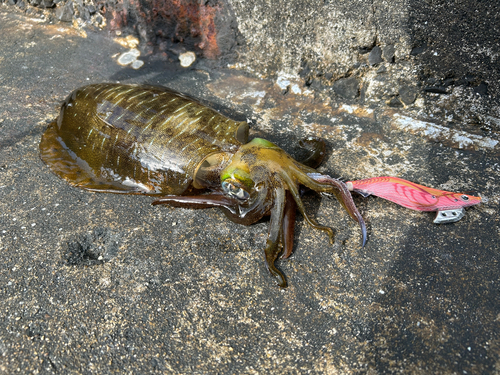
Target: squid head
[260, 180]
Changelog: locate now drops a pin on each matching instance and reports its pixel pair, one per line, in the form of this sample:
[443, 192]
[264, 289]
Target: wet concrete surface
[103, 283]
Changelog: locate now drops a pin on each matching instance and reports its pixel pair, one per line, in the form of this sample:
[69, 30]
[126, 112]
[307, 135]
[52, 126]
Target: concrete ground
[103, 283]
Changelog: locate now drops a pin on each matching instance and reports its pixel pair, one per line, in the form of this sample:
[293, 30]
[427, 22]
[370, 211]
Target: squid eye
[235, 191]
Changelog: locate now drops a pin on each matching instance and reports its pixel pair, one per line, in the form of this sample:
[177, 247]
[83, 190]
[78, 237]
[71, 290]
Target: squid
[138, 139]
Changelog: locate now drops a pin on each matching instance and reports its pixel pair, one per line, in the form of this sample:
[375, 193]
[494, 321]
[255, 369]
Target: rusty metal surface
[96, 283]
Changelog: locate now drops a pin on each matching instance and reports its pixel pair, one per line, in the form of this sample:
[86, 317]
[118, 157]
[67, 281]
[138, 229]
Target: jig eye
[465, 198]
[235, 191]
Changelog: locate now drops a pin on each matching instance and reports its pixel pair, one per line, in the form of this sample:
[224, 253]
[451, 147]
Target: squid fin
[66, 165]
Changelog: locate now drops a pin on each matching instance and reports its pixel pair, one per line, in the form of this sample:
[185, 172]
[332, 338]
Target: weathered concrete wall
[438, 59]
[445, 54]
[331, 39]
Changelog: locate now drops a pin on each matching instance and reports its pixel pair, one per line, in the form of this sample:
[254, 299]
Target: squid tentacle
[327, 184]
[288, 227]
[272, 249]
[316, 148]
[197, 201]
[294, 191]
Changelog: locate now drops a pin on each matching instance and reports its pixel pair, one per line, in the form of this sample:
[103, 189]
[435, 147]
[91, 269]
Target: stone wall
[437, 59]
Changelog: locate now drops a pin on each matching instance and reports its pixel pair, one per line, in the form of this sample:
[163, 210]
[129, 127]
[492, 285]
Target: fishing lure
[151, 140]
[449, 206]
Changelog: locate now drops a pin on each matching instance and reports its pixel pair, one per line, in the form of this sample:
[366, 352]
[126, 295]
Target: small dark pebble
[418, 50]
[21, 4]
[65, 13]
[12, 2]
[382, 69]
[375, 56]
[346, 87]
[448, 82]
[42, 3]
[482, 89]
[435, 89]
[388, 53]
[84, 13]
[408, 94]
[394, 102]
[364, 50]
[315, 84]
